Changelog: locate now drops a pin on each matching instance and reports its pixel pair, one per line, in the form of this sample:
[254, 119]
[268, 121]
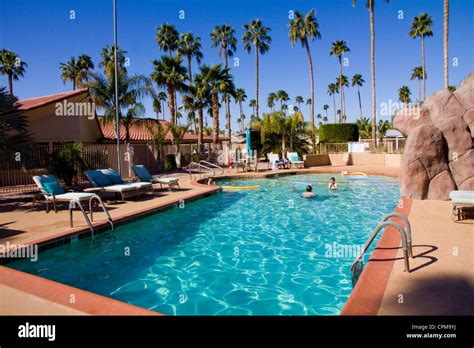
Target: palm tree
[158, 138]
[344, 83]
[131, 90]
[358, 81]
[108, 61]
[272, 96]
[76, 71]
[240, 97]
[283, 97]
[382, 128]
[253, 104]
[417, 73]
[218, 80]
[70, 71]
[224, 37]
[167, 38]
[302, 29]
[325, 119]
[256, 36]
[190, 46]
[333, 88]
[325, 108]
[12, 66]
[338, 48]
[299, 100]
[445, 41]
[404, 95]
[13, 127]
[421, 27]
[177, 133]
[170, 74]
[364, 126]
[370, 6]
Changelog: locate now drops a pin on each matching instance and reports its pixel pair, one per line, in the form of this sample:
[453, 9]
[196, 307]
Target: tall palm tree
[272, 97]
[325, 108]
[76, 71]
[240, 97]
[417, 73]
[344, 83]
[85, 65]
[421, 27]
[170, 74]
[445, 42]
[253, 104]
[404, 95]
[299, 100]
[338, 48]
[256, 36]
[167, 38]
[218, 80]
[358, 81]
[224, 37]
[107, 61]
[190, 46]
[302, 29]
[333, 88]
[369, 4]
[283, 97]
[12, 66]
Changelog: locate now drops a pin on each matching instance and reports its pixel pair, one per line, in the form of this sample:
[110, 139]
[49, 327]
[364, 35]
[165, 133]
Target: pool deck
[439, 276]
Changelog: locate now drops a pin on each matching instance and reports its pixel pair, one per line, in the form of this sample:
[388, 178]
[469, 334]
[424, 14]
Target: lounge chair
[294, 159]
[107, 180]
[144, 175]
[275, 162]
[459, 199]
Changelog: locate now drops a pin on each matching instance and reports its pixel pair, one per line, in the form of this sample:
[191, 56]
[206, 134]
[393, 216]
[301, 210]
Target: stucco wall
[363, 159]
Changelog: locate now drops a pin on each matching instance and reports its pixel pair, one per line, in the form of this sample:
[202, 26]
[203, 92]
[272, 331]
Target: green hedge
[338, 133]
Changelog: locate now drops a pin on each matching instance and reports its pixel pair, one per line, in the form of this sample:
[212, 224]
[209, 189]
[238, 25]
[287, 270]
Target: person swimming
[309, 192]
[332, 184]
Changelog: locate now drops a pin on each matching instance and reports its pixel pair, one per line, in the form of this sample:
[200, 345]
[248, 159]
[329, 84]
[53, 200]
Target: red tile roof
[31, 103]
[139, 132]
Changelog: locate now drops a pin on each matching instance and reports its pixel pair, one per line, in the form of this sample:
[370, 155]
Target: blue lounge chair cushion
[142, 173]
[53, 188]
[97, 178]
[113, 176]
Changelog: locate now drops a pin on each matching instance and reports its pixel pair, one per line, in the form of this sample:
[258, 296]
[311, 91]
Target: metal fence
[16, 172]
[387, 145]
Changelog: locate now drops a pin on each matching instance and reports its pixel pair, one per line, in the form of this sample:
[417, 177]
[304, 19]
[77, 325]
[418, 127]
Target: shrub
[67, 162]
[338, 133]
[170, 163]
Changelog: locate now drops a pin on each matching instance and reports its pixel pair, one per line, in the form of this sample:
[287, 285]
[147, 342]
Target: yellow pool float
[239, 188]
[345, 173]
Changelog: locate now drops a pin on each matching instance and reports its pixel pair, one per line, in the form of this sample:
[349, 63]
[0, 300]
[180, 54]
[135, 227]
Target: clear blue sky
[44, 36]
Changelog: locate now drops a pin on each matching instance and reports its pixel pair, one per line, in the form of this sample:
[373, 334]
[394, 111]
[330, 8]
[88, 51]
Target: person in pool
[309, 192]
[332, 184]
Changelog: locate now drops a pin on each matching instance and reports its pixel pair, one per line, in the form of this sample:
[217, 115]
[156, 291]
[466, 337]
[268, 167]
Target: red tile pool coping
[365, 299]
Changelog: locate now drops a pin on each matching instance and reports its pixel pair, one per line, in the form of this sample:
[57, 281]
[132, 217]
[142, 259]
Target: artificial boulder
[439, 151]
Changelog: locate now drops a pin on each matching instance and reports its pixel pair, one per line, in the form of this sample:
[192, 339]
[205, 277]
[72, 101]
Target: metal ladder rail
[72, 205]
[407, 229]
[212, 165]
[109, 219]
[199, 167]
[380, 226]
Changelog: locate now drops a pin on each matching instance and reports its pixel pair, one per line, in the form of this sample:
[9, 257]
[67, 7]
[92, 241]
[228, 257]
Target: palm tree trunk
[446, 56]
[200, 132]
[344, 103]
[419, 90]
[334, 101]
[10, 83]
[171, 104]
[340, 87]
[227, 101]
[256, 80]
[190, 74]
[215, 116]
[311, 78]
[242, 126]
[360, 102]
[163, 108]
[372, 72]
[423, 65]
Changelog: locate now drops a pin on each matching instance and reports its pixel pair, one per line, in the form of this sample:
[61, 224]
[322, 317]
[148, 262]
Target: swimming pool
[256, 252]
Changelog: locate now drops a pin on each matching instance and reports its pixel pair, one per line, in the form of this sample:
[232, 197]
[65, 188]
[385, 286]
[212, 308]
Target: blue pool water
[259, 252]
